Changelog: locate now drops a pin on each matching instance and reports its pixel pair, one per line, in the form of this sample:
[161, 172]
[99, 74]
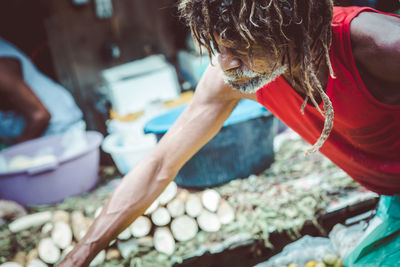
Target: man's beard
[255, 80]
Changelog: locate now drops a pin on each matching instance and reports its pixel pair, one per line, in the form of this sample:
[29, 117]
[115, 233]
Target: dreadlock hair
[271, 25]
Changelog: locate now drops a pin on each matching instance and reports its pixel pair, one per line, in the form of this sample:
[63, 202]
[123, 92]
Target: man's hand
[35, 125]
[16, 95]
[76, 258]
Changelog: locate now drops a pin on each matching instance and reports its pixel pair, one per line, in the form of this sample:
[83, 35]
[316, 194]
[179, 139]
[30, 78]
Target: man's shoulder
[375, 26]
[341, 14]
[375, 41]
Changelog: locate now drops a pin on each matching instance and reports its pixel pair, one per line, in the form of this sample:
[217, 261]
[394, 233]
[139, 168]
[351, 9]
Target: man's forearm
[131, 198]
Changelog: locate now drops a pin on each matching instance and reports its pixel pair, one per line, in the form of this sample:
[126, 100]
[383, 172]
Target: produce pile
[328, 260]
[182, 224]
[176, 216]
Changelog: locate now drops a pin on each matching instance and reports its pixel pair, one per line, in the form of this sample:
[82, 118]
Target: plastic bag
[74, 140]
[345, 239]
[381, 245]
[301, 251]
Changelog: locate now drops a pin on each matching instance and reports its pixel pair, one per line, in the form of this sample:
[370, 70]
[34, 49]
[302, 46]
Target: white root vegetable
[152, 207]
[47, 228]
[42, 160]
[99, 259]
[193, 206]
[79, 224]
[164, 241]
[140, 227]
[125, 235]
[98, 211]
[183, 194]
[161, 216]
[225, 212]
[61, 215]
[176, 207]
[19, 162]
[11, 210]
[208, 221]
[89, 222]
[32, 254]
[169, 193]
[48, 251]
[127, 247]
[29, 221]
[61, 234]
[210, 199]
[20, 257]
[112, 254]
[36, 263]
[184, 228]
[11, 264]
[146, 241]
[66, 251]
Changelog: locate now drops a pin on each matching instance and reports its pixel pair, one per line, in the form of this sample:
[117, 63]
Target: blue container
[244, 146]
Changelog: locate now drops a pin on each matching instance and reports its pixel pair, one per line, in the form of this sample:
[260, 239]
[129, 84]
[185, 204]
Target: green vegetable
[329, 259]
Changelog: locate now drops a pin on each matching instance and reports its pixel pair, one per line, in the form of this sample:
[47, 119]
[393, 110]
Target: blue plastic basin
[244, 146]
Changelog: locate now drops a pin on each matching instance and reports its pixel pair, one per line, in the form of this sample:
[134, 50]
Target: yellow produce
[311, 264]
[329, 259]
[338, 263]
[320, 264]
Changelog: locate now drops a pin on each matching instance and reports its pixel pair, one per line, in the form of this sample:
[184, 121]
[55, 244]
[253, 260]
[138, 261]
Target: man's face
[244, 73]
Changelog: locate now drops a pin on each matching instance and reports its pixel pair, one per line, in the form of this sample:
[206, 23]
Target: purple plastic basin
[51, 183]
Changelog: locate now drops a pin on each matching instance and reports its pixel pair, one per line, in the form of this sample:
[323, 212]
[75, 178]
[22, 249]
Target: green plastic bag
[381, 247]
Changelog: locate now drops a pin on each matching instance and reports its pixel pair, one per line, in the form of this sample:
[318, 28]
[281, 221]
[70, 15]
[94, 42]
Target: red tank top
[365, 139]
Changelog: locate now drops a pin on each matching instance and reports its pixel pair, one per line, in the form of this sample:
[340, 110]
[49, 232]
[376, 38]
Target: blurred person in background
[31, 104]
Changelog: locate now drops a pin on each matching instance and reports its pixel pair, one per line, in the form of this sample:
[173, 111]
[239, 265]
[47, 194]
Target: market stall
[240, 223]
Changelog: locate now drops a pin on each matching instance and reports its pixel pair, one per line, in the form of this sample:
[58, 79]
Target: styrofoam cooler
[132, 86]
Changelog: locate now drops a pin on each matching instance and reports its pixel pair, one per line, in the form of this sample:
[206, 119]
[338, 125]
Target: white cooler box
[132, 86]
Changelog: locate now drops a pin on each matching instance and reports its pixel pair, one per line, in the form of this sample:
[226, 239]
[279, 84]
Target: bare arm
[16, 95]
[212, 104]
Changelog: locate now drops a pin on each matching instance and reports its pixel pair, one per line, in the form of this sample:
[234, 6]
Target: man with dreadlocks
[304, 60]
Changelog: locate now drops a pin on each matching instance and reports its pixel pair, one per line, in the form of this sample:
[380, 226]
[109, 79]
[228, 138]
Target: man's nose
[228, 61]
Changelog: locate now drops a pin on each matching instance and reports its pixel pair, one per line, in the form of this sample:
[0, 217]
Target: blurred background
[73, 41]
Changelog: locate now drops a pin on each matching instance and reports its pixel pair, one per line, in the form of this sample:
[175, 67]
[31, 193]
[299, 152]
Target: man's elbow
[164, 171]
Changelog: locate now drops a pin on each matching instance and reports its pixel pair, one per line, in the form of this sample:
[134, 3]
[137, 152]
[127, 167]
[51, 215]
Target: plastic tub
[127, 154]
[244, 146]
[51, 183]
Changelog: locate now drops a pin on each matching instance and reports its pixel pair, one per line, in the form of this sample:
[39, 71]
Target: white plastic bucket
[126, 154]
